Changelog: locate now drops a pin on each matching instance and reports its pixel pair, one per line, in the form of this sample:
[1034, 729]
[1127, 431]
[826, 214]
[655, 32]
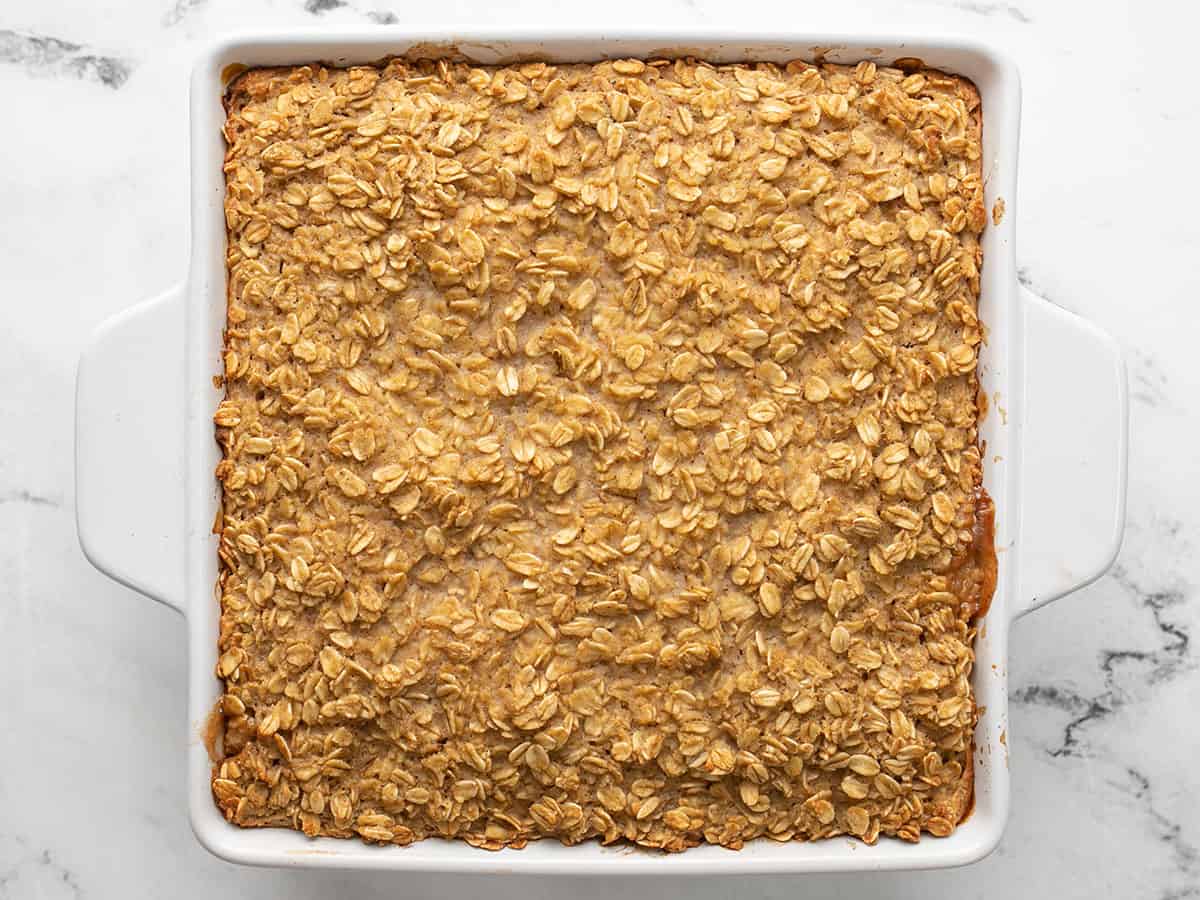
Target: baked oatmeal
[600, 452]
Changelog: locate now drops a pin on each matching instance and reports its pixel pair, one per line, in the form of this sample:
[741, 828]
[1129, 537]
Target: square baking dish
[1055, 437]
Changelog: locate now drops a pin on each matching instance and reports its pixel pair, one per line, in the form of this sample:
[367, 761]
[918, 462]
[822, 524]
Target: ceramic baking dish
[1055, 446]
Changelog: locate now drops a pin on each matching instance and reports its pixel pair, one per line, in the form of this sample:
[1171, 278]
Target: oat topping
[600, 452]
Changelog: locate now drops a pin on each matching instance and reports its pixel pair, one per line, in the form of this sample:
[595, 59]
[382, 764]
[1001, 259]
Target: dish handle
[1075, 448]
[129, 468]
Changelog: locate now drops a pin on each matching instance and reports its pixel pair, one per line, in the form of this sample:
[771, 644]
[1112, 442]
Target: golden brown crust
[600, 452]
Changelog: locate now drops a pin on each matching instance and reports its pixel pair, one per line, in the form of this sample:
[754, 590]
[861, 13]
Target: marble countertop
[93, 217]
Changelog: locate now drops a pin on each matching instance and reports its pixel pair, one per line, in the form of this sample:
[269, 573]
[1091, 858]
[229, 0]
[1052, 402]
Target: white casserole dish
[147, 499]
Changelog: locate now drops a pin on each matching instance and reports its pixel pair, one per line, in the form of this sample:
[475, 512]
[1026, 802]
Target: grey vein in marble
[179, 11]
[1119, 667]
[1148, 383]
[316, 7]
[44, 55]
[989, 9]
[22, 496]
[1084, 711]
[1174, 655]
[46, 868]
[1185, 857]
[375, 16]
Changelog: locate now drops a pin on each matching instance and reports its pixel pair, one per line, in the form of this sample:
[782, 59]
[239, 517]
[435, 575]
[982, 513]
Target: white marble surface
[93, 217]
